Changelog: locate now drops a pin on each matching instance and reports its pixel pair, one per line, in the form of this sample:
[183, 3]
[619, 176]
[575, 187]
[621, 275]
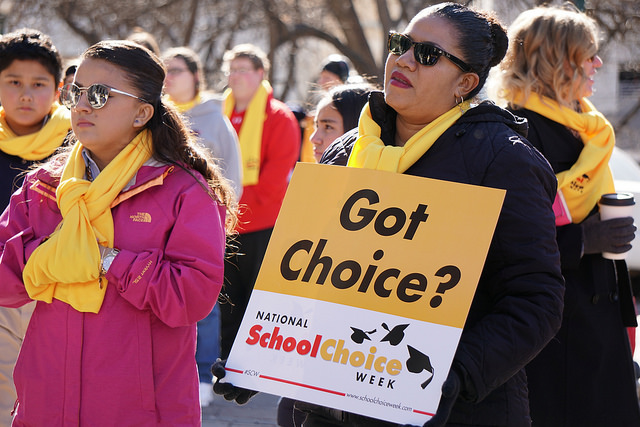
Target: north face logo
[141, 217]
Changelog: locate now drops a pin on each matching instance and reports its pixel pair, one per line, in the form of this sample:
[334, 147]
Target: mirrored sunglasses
[425, 53]
[97, 95]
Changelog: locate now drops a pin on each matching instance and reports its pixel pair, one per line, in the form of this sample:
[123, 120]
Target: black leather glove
[319, 416]
[613, 235]
[450, 392]
[228, 390]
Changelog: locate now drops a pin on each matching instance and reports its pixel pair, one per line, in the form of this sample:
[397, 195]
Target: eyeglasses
[97, 95]
[425, 53]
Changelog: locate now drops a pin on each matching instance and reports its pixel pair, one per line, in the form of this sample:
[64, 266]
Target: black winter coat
[585, 376]
[518, 303]
[12, 170]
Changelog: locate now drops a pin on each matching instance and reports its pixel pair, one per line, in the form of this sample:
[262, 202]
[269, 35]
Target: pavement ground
[259, 411]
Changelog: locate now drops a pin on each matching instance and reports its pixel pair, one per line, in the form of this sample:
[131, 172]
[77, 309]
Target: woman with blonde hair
[585, 375]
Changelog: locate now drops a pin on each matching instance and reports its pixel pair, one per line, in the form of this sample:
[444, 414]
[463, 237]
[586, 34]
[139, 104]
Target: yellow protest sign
[364, 290]
[381, 241]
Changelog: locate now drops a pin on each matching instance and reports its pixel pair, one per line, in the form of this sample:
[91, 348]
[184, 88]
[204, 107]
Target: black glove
[613, 235]
[319, 416]
[228, 390]
[450, 392]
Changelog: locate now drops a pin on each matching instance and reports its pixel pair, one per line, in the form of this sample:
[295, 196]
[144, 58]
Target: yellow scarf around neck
[37, 145]
[590, 176]
[66, 266]
[186, 106]
[370, 152]
[250, 135]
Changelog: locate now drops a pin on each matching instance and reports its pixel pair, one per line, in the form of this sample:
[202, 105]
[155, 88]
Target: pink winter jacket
[132, 364]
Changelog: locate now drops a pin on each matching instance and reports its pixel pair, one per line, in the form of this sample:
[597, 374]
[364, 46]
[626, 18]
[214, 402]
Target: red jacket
[133, 362]
[260, 203]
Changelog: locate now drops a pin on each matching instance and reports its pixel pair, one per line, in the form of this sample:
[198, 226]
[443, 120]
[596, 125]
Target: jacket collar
[151, 173]
[384, 116]
[486, 111]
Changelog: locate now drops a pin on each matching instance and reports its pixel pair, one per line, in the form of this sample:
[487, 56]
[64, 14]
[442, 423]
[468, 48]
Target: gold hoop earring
[459, 104]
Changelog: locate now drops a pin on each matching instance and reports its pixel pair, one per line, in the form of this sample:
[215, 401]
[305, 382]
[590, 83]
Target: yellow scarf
[37, 145]
[250, 135]
[186, 106]
[66, 266]
[370, 152]
[590, 176]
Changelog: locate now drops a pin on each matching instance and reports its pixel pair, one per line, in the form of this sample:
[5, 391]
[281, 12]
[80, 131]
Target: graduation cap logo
[358, 336]
[395, 335]
[418, 362]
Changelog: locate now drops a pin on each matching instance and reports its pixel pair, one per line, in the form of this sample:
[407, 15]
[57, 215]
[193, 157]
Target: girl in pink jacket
[120, 240]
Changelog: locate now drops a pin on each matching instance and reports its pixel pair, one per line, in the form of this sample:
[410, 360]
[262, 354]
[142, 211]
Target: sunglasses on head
[425, 53]
[97, 95]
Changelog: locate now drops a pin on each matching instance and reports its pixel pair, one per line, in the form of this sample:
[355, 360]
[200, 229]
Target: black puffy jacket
[518, 304]
[585, 376]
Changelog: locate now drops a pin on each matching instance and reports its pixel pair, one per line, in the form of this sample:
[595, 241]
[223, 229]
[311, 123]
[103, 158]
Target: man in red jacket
[269, 138]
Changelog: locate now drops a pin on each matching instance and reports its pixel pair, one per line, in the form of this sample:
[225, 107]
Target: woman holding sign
[425, 125]
[585, 376]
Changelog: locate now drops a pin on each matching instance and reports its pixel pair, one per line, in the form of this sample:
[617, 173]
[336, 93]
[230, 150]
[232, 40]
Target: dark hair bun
[500, 41]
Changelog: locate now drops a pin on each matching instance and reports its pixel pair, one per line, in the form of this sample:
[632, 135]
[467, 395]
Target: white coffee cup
[615, 205]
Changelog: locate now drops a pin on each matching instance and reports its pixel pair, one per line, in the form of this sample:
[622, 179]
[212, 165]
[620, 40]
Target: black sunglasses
[425, 53]
[97, 95]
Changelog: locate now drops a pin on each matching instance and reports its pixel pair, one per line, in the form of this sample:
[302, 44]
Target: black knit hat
[337, 65]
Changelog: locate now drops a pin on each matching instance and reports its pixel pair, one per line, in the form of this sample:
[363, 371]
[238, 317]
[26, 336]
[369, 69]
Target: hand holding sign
[228, 390]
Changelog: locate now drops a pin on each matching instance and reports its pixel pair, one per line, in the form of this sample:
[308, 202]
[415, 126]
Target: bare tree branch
[284, 28]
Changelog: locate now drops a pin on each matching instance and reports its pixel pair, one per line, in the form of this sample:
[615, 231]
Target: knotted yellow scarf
[370, 152]
[66, 266]
[250, 135]
[186, 106]
[590, 176]
[37, 145]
